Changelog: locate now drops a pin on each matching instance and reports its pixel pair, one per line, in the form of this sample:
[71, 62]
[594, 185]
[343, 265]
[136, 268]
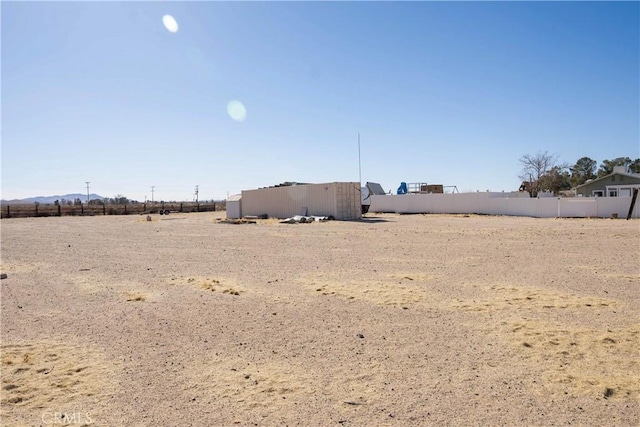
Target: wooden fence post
[104, 209]
[8, 212]
[59, 210]
[125, 209]
[36, 209]
[81, 209]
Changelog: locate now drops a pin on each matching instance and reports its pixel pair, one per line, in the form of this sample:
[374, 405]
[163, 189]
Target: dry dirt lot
[393, 320]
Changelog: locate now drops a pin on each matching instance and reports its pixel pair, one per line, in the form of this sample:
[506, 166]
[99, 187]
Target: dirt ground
[389, 321]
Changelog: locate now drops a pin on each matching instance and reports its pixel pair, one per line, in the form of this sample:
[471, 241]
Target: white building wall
[234, 206]
[338, 199]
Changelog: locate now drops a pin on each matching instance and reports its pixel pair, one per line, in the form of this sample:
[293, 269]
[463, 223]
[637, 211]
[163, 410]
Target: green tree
[634, 167]
[582, 171]
[606, 168]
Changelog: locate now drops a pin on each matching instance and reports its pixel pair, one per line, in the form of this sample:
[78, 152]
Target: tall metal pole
[152, 187]
[359, 163]
[87, 182]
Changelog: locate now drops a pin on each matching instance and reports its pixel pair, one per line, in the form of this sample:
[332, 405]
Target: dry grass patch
[11, 268]
[503, 297]
[210, 284]
[52, 377]
[580, 361]
[396, 289]
[271, 386]
[573, 360]
[135, 296]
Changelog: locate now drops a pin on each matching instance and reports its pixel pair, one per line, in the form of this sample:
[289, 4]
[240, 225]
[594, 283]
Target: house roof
[629, 175]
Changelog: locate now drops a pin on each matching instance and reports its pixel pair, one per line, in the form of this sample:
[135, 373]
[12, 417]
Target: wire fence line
[83, 209]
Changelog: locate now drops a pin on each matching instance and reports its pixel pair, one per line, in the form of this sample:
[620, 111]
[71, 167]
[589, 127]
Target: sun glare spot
[170, 23]
[237, 111]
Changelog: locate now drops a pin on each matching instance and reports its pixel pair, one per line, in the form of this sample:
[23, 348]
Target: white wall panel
[498, 204]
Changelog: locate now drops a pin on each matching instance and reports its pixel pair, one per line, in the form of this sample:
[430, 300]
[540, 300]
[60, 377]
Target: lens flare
[170, 23]
[237, 111]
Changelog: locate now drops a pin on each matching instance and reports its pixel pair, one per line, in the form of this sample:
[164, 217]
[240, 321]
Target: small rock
[360, 336]
[3, 276]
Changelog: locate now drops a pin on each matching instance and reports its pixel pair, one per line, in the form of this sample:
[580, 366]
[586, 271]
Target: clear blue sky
[450, 93]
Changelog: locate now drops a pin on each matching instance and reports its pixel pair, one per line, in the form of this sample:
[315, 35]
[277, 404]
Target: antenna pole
[359, 162]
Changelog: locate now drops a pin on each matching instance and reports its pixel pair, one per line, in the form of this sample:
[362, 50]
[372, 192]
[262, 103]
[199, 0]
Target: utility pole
[152, 187]
[197, 193]
[87, 182]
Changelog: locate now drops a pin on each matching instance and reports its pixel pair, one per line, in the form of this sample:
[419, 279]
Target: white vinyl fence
[500, 204]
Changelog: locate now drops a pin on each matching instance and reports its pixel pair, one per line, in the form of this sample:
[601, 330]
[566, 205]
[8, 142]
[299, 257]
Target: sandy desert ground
[390, 321]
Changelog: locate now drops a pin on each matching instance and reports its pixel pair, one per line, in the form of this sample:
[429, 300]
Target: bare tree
[534, 167]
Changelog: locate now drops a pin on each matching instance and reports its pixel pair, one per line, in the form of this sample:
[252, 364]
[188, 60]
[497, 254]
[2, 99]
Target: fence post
[125, 209]
[180, 207]
[59, 210]
[81, 209]
[214, 206]
[8, 212]
[104, 209]
[36, 208]
[633, 203]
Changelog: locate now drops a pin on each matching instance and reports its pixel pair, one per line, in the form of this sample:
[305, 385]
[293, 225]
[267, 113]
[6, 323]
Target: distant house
[617, 184]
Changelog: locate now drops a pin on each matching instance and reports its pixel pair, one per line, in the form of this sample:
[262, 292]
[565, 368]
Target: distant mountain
[51, 199]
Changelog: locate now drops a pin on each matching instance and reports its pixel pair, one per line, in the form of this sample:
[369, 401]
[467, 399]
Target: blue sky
[450, 93]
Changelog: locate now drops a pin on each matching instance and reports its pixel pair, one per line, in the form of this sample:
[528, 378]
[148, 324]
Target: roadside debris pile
[300, 219]
[235, 221]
